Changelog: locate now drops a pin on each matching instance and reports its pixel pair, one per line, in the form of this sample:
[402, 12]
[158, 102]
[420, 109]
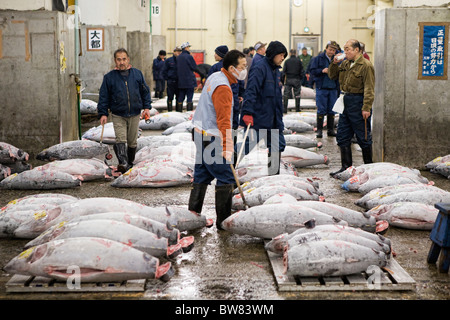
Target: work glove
[248, 119]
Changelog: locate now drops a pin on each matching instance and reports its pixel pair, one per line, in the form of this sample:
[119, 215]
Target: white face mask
[241, 74]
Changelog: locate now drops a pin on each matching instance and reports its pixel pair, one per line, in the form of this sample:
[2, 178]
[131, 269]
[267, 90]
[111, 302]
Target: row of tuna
[440, 165]
[396, 194]
[114, 239]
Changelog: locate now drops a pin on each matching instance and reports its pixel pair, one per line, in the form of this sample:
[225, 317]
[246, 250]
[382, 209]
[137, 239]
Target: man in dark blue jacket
[186, 79]
[125, 93]
[171, 76]
[158, 65]
[326, 89]
[263, 105]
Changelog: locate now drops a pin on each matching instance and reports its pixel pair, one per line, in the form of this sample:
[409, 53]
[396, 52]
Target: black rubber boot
[121, 153]
[189, 106]
[131, 152]
[179, 107]
[161, 94]
[224, 195]
[367, 155]
[285, 105]
[330, 125]
[346, 159]
[297, 104]
[320, 118]
[169, 106]
[197, 197]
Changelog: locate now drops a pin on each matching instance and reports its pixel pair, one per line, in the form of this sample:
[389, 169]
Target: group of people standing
[242, 91]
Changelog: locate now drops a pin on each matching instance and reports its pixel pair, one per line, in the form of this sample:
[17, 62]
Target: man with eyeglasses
[357, 80]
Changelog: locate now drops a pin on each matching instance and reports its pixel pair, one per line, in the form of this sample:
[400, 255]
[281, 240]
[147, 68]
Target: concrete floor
[236, 267]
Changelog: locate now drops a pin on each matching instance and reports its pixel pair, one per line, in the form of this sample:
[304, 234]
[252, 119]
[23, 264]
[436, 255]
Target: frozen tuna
[82, 169]
[301, 141]
[427, 194]
[127, 234]
[437, 161]
[331, 258]
[4, 172]
[354, 218]
[183, 127]
[154, 175]
[40, 180]
[85, 149]
[278, 243]
[153, 226]
[408, 215]
[96, 259]
[302, 158]
[95, 134]
[162, 121]
[257, 196]
[269, 221]
[10, 154]
[297, 125]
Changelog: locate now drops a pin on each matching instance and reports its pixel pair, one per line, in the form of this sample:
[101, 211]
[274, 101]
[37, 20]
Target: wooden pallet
[396, 279]
[30, 284]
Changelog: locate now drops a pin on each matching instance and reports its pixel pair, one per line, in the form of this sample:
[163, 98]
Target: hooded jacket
[263, 97]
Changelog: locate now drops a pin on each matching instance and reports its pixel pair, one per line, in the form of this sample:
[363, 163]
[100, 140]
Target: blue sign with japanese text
[433, 51]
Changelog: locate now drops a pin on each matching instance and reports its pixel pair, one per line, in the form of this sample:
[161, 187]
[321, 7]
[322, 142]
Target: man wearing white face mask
[213, 137]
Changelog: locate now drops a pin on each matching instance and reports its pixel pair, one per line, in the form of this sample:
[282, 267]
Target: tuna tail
[165, 272]
[310, 224]
[172, 220]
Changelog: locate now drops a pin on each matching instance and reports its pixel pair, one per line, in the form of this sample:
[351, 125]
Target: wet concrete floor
[235, 267]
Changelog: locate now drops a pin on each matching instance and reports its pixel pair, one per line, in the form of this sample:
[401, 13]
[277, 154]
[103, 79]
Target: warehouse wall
[37, 91]
[411, 117]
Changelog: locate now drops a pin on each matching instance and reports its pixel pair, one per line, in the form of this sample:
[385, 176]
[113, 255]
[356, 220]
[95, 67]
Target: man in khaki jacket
[356, 77]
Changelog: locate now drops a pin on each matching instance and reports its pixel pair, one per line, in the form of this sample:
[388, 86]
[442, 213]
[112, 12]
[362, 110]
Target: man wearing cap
[263, 105]
[326, 89]
[213, 137]
[186, 79]
[357, 78]
[158, 65]
[171, 76]
[260, 49]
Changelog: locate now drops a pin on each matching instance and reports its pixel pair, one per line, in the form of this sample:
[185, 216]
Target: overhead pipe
[239, 25]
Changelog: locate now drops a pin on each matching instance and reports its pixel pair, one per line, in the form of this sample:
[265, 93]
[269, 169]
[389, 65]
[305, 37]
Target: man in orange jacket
[212, 122]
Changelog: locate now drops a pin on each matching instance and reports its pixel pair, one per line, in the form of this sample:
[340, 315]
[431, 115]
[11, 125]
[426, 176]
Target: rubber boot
[131, 155]
[161, 94]
[270, 169]
[224, 195]
[197, 197]
[156, 94]
[367, 155]
[330, 126]
[297, 104]
[169, 106]
[189, 106]
[320, 119]
[285, 104]
[346, 159]
[179, 107]
[121, 153]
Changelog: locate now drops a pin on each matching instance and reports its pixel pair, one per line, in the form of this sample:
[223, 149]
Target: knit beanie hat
[221, 51]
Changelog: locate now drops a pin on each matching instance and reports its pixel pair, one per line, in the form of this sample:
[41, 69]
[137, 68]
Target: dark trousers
[209, 163]
[160, 85]
[187, 93]
[292, 85]
[273, 139]
[172, 90]
[325, 100]
[351, 122]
